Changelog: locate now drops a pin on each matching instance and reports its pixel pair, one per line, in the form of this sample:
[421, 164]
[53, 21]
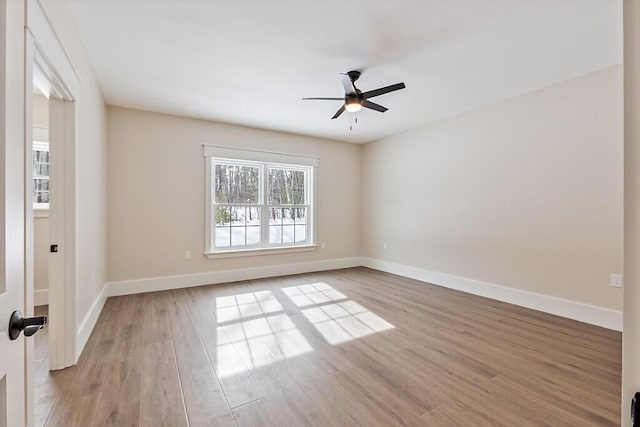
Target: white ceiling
[250, 62]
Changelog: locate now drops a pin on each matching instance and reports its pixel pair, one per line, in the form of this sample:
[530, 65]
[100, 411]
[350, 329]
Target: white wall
[156, 194]
[40, 111]
[90, 168]
[525, 193]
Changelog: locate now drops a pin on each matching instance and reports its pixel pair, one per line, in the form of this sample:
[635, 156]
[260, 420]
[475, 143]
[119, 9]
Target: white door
[12, 353]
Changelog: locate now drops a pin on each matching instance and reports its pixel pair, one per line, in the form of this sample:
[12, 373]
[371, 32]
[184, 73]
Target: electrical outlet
[616, 280]
[187, 255]
[323, 245]
[385, 246]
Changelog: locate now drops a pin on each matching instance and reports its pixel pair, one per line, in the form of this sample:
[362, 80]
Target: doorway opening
[41, 162]
[51, 88]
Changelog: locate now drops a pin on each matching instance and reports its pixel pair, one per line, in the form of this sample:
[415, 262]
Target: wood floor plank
[345, 347]
[238, 383]
[119, 403]
[204, 400]
[76, 412]
[161, 402]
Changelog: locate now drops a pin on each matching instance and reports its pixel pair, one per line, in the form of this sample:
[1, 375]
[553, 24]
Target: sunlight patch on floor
[345, 321]
[336, 317]
[248, 344]
[234, 307]
[314, 293]
[254, 331]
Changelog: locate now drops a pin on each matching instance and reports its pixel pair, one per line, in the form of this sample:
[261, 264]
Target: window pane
[300, 215]
[238, 236]
[275, 216]
[237, 226]
[223, 216]
[287, 234]
[253, 235]
[40, 163]
[223, 237]
[275, 234]
[41, 184]
[41, 190]
[287, 216]
[236, 184]
[41, 197]
[43, 169]
[237, 215]
[301, 233]
[286, 187]
[253, 216]
[42, 156]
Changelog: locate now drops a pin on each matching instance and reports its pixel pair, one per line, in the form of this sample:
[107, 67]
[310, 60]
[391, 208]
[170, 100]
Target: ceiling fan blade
[382, 90]
[349, 88]
[337, 114]
[323, 99]
[373, 106]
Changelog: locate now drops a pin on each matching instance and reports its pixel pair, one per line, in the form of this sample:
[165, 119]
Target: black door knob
[30, 325]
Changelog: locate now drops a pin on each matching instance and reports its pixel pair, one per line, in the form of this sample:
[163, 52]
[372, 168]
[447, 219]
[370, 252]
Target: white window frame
[265, 160]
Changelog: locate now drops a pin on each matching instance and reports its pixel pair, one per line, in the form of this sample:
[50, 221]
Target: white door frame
[12, 353]
[62, 289]
[631, 301]
[47, 62]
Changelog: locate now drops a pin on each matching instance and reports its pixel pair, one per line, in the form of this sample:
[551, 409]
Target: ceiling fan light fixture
[353, 106]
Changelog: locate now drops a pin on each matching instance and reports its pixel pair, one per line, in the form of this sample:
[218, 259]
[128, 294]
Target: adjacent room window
[40, 175]
[258, 200]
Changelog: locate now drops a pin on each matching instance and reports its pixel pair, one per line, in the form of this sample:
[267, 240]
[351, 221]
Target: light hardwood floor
[345, 347]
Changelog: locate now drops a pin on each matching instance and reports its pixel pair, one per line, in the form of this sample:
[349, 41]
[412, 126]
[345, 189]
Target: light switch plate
[616, 280]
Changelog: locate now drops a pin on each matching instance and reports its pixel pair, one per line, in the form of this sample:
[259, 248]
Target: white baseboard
[89, 321]
[189, 280]
[41, 297]
[599, 316]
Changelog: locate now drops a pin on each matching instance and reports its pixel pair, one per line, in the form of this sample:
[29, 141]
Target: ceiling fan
[354, 99]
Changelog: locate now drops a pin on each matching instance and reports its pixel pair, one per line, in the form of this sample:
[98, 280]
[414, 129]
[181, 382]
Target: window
[258, 200]
[40, 175]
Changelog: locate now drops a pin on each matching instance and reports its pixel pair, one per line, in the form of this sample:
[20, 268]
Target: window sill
[259, 251]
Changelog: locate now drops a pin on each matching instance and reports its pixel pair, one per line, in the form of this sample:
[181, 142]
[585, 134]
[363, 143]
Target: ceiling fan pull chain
[355, 122]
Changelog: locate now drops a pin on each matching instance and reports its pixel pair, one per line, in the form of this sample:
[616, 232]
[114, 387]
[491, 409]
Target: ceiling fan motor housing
[353, 98]
[354, 75]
